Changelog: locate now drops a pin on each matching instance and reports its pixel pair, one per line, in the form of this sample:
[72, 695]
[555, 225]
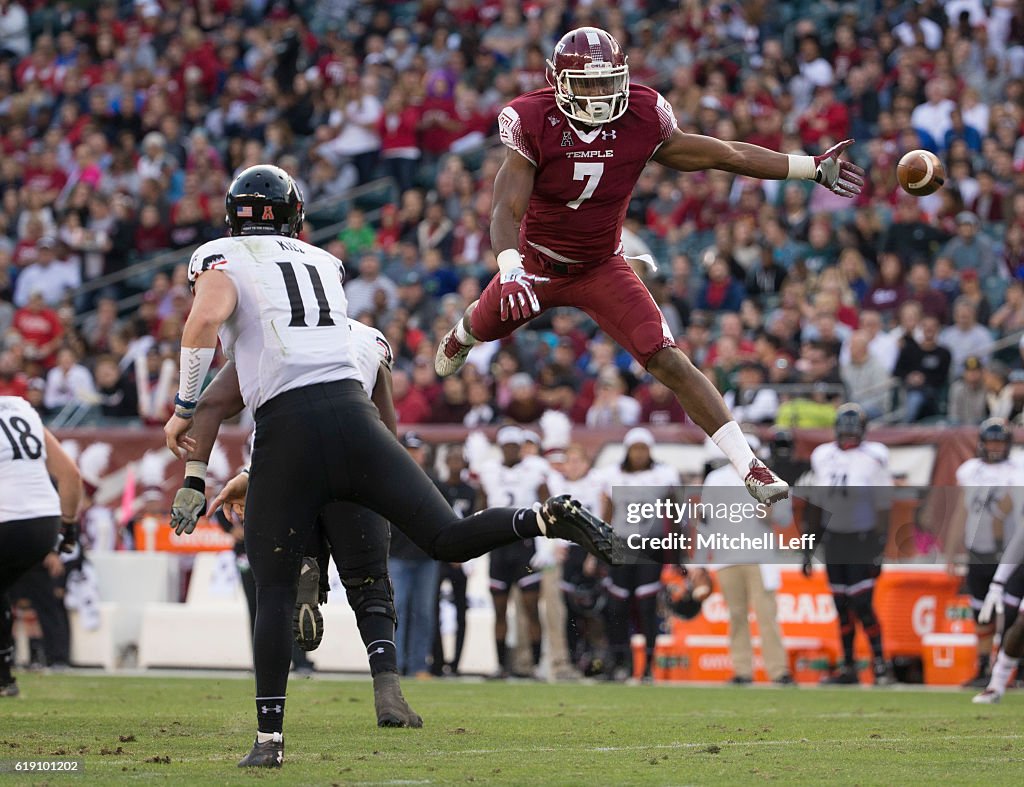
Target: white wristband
[195, 365]
[801, 167]
[195, 469]
[509, 260]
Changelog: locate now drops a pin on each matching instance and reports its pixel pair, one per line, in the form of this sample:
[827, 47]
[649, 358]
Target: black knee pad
[843, 606]
[370, 596]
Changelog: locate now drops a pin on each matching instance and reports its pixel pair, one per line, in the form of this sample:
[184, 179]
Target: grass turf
[193, 730]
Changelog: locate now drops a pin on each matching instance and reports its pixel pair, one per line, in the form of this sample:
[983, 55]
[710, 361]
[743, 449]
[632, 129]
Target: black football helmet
[994, 430]
[851, 424]
[264, 200]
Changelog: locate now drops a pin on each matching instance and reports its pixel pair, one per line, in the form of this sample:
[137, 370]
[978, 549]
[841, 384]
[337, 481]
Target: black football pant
[639, 584]
[23, 544]
[459, 581]
[326, 442]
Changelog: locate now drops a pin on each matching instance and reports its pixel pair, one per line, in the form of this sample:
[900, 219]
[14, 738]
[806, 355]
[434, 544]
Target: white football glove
[993, 603]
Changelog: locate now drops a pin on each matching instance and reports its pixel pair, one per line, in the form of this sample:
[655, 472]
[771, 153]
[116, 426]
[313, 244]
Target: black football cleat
[566, 518]
[885, 675]
[392, 709]
[265, 755]
[308, 621]
[9, 689]
[846, 675]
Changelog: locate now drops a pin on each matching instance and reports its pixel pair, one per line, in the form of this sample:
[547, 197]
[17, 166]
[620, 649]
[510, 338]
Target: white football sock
[1001, 672]
[734, 445]
[264, 737]
[464, 336]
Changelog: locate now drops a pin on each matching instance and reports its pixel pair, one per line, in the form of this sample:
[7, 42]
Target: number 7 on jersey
[592, 174]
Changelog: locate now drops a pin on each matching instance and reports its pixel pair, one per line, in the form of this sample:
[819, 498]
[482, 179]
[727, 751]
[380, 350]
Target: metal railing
[894, 413]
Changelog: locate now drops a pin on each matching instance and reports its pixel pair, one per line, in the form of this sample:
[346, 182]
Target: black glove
[69, 532]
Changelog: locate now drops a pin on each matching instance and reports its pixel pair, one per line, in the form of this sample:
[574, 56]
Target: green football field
[183, 730]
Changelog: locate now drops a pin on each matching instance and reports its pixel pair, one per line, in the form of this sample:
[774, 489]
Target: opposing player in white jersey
[33, 514]
[583, 588]
[279, 309]
[851, 483]
[982, 524]
[639, 479]
[515, 480]
[357, 537]
[1006, 595]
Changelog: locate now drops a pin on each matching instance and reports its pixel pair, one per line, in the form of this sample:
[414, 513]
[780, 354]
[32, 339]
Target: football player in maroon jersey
[575, 152]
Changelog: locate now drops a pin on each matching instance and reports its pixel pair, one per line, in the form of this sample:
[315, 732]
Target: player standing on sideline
[575, 152]
[639, 479]
[514, 481]
[32, 512]
[1005, 593]
[983, 524]
[357, 537]
[850, 476]
[279, 309]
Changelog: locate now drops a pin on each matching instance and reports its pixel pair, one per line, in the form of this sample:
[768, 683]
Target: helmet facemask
[595, 94]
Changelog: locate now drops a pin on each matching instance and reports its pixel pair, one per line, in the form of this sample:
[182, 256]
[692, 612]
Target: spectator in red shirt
[152, 234]
[399, 147]
[411, 406]
[919, 288]
[658, 405]
[40, 329]
[13, 381]
[825, 119]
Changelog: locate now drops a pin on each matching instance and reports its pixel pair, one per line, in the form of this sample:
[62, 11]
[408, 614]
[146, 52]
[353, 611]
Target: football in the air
[920, 173]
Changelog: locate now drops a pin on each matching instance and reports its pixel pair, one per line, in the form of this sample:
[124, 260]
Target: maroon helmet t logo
[268, 213]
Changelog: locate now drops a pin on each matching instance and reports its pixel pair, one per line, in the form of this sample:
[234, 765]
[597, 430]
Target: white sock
[1001, 672]
[464, 336]
[734, 445]
[264, 737]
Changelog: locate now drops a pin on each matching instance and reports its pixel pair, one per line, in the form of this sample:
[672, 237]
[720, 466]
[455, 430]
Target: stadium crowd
[120, 126]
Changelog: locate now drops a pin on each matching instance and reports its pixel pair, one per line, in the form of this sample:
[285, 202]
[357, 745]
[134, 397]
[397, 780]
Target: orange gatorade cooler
[949, 659]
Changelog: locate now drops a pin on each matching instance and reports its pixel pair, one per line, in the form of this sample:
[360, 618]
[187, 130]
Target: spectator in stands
[968, 401]
[40, 330]
[658, 405]
[1009, 318]
[965, 336]
[371, 291]
[117, 396]
[524, 405]
[919, 288]
[13, 381]
[612, 407]
[68, 382]
[48, 275]
[889, 290]
[924, 368]
[411, 406]
[970, 291]
[721, 291]
[971, 248]
[864, 376]
[751, 401]
[358, 237]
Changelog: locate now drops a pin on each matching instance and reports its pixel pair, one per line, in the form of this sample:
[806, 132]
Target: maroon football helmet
[590, 76]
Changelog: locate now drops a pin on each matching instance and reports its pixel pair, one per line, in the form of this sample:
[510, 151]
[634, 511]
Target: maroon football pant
[608, 291]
